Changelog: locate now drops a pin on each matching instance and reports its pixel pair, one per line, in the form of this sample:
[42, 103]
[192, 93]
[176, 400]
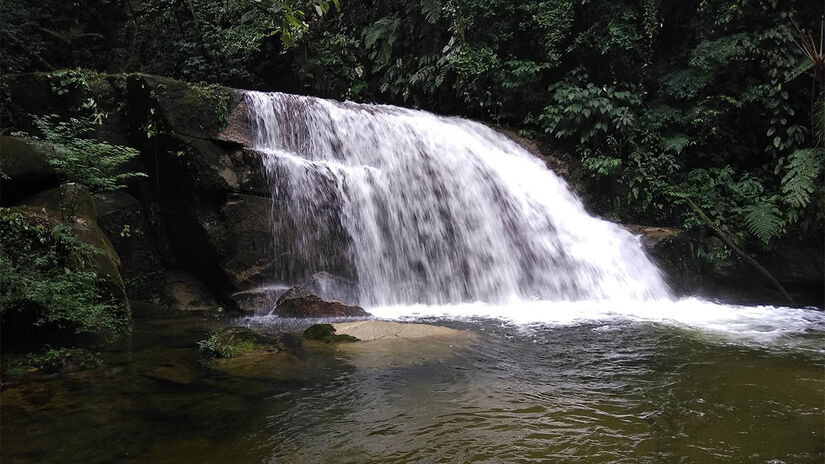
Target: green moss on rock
[62, 360]
[326, 333]
[238, 341]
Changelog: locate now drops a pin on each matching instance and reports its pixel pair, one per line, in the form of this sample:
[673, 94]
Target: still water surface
[607, 390]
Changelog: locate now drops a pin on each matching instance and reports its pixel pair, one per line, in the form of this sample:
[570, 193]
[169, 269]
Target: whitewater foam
[435, 210]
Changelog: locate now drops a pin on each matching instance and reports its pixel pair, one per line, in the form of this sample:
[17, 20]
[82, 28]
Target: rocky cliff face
[203, 208]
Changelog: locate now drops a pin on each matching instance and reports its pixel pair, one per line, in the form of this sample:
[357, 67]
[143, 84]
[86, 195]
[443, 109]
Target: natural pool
[589, 389]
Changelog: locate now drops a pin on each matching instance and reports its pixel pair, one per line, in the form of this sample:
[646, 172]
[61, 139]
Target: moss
[238, 341]
[326, 333]
[57, 360]
[214, 95]
[54, 290]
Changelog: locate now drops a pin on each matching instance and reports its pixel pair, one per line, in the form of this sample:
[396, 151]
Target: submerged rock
[299, 302]
[174, 371]
[326, 333]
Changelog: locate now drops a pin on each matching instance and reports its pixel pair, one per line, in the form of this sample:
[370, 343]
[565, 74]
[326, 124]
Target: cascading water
[444, 217]
[435, 209]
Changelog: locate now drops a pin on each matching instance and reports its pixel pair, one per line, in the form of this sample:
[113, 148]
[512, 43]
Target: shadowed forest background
[650, 102]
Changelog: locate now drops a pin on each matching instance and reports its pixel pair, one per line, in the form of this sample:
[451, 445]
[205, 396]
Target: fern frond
[818, 122]
[801, 179]
[764, 221]
[431, 9]
[675, 143]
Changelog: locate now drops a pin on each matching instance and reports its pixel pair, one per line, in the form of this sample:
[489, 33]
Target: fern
[764, 221]
[675, 143]
[818, 121]
[431, 9]
[800, 181]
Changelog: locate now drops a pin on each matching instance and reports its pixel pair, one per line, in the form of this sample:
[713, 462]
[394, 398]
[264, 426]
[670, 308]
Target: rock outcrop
[300, 303]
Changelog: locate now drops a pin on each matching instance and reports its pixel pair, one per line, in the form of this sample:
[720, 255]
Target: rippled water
[590, 389]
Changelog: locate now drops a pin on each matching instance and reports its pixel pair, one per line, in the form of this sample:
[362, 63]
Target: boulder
[240, 341]
[25, 164]
[185, 292]
[194, 110]
[300, 303]
[326, 333]
[73, 201]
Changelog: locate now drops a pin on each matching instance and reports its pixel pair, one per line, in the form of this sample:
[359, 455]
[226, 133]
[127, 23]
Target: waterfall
[420, 208]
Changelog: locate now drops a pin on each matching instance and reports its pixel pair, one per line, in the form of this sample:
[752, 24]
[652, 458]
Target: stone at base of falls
[326, 333]
[384, 330]
[239, 341]
[386, 344]
[299, 302]
[183, 291]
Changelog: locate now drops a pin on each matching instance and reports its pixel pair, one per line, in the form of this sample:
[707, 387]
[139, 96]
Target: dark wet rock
[175, 371]
[191, 109]
[206, 205]
[222, 238]
[300, 302]
[185, 292]
[332, 287]
[121, 216]
[26, 165]
[687, 261]
[326, 333]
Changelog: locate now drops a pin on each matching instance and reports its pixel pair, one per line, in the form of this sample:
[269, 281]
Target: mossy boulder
[75, 202]
[326, 333]
[239, 341]
[57, 361]
[60, 277]
[191, 109]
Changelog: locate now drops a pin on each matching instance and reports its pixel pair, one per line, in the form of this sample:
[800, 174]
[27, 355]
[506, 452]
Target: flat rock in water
[385, 344]
[383, 330]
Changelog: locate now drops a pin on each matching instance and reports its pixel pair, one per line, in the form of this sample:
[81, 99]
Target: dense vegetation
[655, 103]
[54, 288]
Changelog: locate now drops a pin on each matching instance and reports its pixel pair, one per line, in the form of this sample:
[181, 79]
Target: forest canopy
[654, 105]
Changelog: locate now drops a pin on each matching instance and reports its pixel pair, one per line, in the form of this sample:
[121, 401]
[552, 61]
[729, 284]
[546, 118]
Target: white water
[446, 217]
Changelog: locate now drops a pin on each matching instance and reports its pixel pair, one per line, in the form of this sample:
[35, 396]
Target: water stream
[579, 352]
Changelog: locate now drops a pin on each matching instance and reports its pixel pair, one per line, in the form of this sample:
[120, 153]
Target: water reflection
[590, 393]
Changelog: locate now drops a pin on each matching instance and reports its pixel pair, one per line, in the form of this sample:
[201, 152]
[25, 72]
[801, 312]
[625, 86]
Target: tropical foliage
[655, 103]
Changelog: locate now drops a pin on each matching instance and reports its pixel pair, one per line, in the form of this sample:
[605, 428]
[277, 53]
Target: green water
[588, 393]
